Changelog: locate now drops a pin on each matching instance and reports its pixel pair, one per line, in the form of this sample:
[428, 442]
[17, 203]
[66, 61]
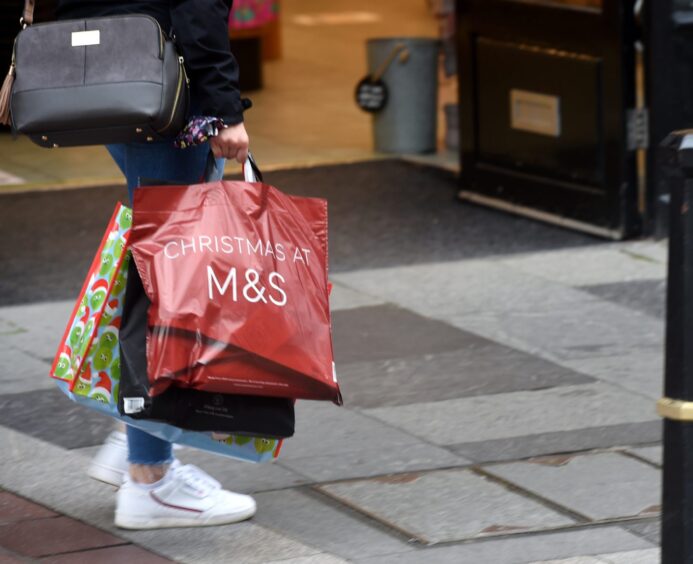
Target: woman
[157, 491]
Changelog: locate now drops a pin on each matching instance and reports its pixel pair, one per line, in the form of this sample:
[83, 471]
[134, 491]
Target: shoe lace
[197, 478]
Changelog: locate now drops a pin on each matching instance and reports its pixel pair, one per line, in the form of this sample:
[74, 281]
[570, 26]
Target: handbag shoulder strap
[28, 16]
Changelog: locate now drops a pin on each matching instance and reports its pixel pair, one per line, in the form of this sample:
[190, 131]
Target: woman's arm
[201, 30]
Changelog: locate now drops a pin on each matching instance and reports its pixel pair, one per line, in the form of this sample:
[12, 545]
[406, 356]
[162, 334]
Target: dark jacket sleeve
[201, 30]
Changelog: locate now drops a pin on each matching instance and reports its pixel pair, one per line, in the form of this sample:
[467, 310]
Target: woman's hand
[231, 143]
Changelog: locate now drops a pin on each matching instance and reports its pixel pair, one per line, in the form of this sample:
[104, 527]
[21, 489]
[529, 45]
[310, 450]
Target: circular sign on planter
[371, 95]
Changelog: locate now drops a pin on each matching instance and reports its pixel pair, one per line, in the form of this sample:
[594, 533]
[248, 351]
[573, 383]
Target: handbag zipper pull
[185, 73]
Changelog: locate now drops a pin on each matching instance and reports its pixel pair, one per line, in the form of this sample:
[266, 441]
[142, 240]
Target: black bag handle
[251, 172]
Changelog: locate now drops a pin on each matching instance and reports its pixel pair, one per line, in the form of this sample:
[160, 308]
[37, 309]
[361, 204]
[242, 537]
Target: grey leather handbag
[95, 81]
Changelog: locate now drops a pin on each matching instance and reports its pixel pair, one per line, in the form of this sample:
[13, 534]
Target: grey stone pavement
[500, 379]
[498, 410]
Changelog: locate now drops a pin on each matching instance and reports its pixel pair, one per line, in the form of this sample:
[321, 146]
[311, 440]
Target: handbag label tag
[82, 38]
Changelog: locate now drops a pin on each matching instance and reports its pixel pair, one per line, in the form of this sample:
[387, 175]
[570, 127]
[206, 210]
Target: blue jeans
[163, 162]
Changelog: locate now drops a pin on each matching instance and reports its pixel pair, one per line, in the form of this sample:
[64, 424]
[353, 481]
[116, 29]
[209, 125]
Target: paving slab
[245, 543]
[112, 555]
[521, 549]
[574, 560]
[21, 372]
[649, 530]
[481, 367]
[647, 296]
[334, 443]
[35, 328]
[600, 329]
[646, 556]
[640, 370]
[442, 290]
[422, 505]
[8, 558]
[344, 297]
[14, 508]
[387, 331]
[369, 462]
[602, 264]
[51, 416]
[322, 558]
[598, 486]
[318, 521]
[518, 414]
[560, 442]
[325, 429]
[44, 537]
[651, 453]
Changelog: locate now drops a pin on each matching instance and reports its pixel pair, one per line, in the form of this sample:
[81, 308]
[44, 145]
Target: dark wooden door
[545, 89]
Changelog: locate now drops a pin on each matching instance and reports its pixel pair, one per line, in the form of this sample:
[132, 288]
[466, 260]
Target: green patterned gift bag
[88, 358]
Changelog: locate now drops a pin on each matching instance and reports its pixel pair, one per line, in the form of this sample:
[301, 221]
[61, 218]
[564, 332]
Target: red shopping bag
[237, 277]
[171, 352]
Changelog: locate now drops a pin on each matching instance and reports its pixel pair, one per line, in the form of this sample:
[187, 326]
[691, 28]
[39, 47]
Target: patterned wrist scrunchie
[198, 130]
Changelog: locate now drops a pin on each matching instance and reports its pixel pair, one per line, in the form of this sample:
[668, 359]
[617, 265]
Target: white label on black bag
[133, 405]
[82, 38]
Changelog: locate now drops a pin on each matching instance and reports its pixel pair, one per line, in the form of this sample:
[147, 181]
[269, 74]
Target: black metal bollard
[677, 404]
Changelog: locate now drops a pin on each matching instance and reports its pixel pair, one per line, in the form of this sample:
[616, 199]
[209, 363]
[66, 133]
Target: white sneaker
[111, 462]
[185, 497]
